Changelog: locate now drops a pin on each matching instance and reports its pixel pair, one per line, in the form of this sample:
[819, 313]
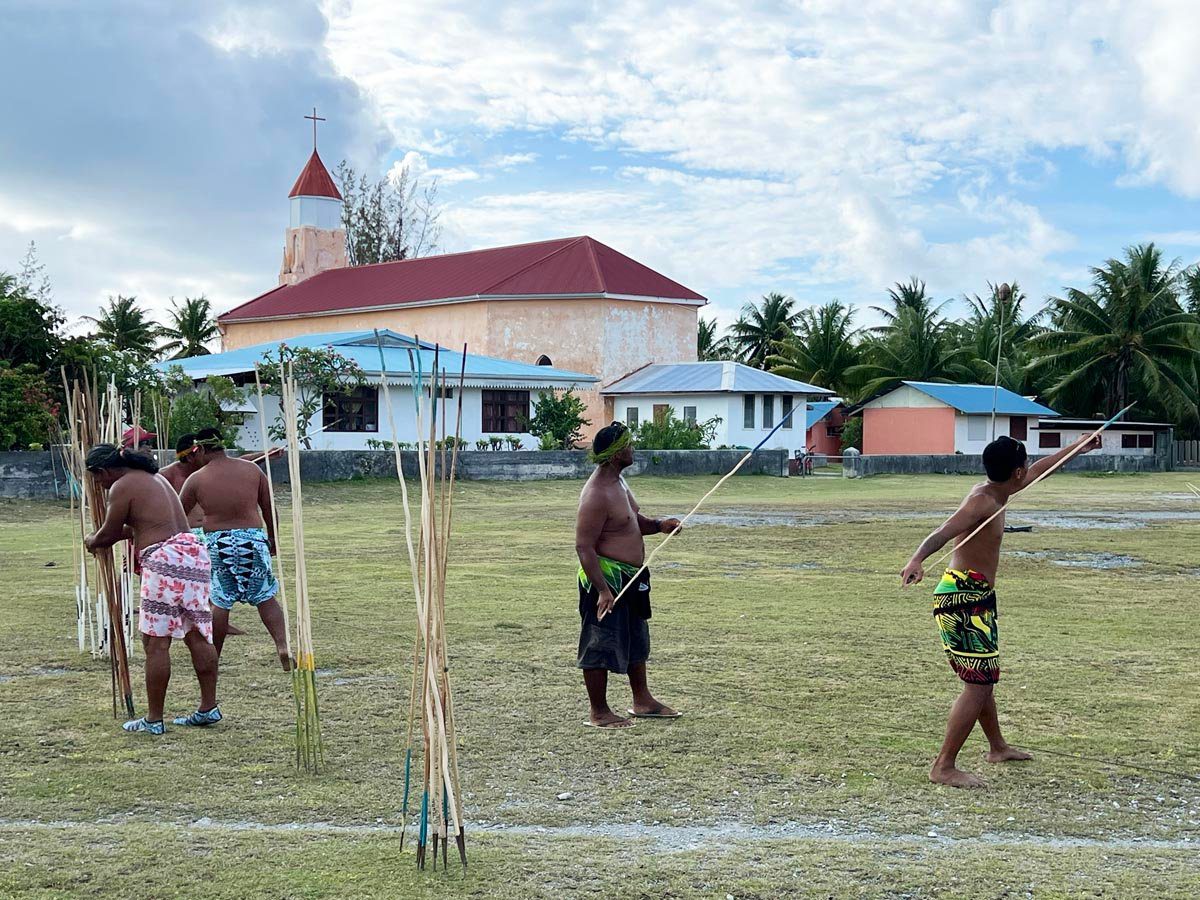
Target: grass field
[813, 687]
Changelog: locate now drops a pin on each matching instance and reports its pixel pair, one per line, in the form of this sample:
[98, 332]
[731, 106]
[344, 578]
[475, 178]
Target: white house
[1119, 439]
[748, 402]
[497, 393]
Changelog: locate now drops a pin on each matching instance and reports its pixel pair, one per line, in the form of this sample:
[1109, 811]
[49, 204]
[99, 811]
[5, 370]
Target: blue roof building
[496, 393]
[924, 417]
[740, 404]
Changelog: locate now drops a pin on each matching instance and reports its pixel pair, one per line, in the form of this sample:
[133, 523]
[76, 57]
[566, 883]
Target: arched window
[544, 360]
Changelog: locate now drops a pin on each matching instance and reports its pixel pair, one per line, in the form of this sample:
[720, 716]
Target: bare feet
[233, 629]
[1008, 754]
[955, 778]
[609, 719]
[286, 661]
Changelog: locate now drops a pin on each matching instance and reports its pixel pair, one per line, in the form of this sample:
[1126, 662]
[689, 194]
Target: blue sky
[822, 148]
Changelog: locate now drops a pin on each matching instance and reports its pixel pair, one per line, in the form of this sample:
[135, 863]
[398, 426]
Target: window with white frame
[977, 428]
[787, 410]
[748, 411]
[631, 416]
[689, 415]
[768, 403]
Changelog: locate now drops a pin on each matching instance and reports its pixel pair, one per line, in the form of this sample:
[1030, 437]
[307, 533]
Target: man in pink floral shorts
[176, 573]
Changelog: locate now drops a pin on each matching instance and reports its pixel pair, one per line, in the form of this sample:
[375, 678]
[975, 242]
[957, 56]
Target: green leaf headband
[620, 442]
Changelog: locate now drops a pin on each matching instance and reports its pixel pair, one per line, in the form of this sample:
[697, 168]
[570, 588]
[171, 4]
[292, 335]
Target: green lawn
[813, 686]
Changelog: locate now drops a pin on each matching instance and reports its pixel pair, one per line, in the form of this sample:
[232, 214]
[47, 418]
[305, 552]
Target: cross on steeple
[315, 119]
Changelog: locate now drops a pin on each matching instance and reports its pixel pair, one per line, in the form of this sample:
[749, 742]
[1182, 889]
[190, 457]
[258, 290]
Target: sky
[818, 148]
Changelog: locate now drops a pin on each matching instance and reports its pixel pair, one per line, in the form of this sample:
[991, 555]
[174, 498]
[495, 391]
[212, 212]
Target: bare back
[229, 490]
[177, 474]
[609, 504]
[982, 552]
[149, 506]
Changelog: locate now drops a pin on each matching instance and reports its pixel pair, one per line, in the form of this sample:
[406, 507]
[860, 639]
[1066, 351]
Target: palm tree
[708, 345]
[978, 335]
[822, 350]
[913, 344]
[192, 327]
[1126, 337]
[124, 325]
[754, 335]
[909, 296]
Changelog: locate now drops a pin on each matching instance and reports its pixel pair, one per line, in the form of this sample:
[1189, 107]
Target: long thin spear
[741, 462]
[412, 564]
[1078, 449]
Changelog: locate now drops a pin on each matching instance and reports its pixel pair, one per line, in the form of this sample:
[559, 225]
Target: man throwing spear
[237, 504]
[175, 577]
[964, 602]
[608, 538]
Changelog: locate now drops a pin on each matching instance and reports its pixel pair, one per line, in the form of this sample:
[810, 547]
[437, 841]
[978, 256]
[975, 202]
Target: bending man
[964, 603]
[608, 539]
[175, 577]
[237, 504]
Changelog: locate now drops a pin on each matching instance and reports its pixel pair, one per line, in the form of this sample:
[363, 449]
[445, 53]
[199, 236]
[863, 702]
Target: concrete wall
[972, 464]
[531, 465]
[41, 475]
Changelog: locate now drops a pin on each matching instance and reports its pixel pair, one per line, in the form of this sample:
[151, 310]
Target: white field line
[666, 838]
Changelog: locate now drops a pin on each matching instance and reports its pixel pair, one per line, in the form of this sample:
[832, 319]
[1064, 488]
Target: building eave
[474, 298]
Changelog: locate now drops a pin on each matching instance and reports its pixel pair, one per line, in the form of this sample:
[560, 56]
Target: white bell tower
[315, 240]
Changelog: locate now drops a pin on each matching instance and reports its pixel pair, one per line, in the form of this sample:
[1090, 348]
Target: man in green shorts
[608, 539]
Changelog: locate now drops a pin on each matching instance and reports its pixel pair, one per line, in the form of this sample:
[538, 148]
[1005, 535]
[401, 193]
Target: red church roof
[314, 181]
[566, 267]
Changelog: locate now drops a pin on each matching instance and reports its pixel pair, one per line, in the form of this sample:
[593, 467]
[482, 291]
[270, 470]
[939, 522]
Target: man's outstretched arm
[974, 509]
[1042, 465]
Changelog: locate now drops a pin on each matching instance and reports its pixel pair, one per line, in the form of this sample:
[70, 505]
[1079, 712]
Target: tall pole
[1003, 293]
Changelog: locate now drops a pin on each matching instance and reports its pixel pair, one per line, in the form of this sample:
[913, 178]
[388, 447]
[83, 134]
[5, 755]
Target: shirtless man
[964, 603]
[186, 464]
[175, 577]
[608, 539]
[237, 503]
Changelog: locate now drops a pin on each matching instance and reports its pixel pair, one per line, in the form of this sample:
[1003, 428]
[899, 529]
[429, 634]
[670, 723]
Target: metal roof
[708, 378]
[1115, 426]
[563, 269]
[977, 398]
[360, 346]
[314, 180]
[818, 411]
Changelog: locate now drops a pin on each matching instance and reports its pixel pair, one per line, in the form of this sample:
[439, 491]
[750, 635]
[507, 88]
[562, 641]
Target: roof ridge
[394, 262]
[589, 243]
[532, 263]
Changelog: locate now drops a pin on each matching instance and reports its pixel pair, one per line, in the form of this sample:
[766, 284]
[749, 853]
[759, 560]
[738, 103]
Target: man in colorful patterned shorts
[237, 504]
[964, 602]
[143, 506]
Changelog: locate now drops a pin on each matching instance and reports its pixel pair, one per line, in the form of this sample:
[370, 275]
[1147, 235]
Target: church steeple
[315, 240]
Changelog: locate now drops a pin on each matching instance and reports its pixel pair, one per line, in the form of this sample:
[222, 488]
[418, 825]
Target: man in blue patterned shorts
[237, 504]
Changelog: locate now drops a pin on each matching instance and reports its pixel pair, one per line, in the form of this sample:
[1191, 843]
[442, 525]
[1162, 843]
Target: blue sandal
[144, 724]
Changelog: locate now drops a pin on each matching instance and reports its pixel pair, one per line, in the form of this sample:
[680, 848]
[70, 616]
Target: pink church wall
[908, 430]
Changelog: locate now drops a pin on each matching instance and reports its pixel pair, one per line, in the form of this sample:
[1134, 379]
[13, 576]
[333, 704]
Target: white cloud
[825, 130]
[512, 160]
[417, 165]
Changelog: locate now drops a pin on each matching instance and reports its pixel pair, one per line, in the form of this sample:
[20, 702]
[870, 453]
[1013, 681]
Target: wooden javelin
[1045, 474]
[741, 462]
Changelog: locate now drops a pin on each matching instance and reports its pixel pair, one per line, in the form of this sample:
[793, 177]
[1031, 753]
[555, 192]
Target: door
[1018, 428]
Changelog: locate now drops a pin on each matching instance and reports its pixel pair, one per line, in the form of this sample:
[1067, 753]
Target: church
[571, 303]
